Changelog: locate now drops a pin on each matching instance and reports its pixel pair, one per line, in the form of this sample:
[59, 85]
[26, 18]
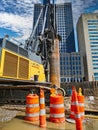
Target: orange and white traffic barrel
[57, 108]
[42, 117]
[81, 103]
[32, 107]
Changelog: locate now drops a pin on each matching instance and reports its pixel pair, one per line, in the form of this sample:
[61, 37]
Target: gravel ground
[90, 103]
[8, 112]
[6, 115]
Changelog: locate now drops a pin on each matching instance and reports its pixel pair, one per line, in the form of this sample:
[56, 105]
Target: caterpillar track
[12, 93]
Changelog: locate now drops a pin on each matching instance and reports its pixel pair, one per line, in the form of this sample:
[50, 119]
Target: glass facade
[45, 2]
[65, 29]
[93, 38]
[37, 9]
[71, 67]
[64, 21]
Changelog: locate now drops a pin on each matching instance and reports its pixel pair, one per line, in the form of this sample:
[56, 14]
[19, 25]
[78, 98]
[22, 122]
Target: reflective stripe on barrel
[32, 105]
[57, 115]
[57, 106]
[32, 115]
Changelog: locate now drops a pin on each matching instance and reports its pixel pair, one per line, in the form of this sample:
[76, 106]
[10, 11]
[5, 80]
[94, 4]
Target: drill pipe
[55, 65]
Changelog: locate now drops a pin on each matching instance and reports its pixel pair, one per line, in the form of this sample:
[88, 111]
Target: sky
[16, 16]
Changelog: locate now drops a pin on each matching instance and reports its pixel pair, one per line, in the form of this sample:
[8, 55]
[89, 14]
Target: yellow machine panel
[37, 69]
[10, 64]
[23, 71]
[18, 67]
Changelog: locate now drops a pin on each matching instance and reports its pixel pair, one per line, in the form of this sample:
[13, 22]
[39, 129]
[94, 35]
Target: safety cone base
[70, 120]
[43, 126]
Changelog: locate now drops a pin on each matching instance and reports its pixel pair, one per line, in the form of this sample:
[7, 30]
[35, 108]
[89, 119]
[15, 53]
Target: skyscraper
[46, 2]
[37, 10]
[64, 22]
[87, 29]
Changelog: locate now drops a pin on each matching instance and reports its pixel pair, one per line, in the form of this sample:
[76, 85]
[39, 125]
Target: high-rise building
[64, 21]
[46, 2]
[37, 10]
[87, 30]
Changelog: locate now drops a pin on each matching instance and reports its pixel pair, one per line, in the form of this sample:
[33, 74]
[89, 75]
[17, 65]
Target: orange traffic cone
[72, 109]
[77, 112]
[42, 116]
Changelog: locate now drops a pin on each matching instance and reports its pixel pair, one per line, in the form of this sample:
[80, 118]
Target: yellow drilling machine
[34, 65]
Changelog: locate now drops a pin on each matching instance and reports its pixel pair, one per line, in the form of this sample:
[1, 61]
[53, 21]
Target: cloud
[78, 7]
[62, 1]
[17, 15]
[19, 24]
[96, 11]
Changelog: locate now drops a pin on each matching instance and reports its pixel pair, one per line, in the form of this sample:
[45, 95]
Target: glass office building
[65, 29]
[93, 37]
[71, 67]
[87, 28]
[45, 2]
[37, 10]
[64, 21]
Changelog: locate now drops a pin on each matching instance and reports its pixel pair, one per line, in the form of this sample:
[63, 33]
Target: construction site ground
[18, 123]
[90, 104]
[12, 117]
